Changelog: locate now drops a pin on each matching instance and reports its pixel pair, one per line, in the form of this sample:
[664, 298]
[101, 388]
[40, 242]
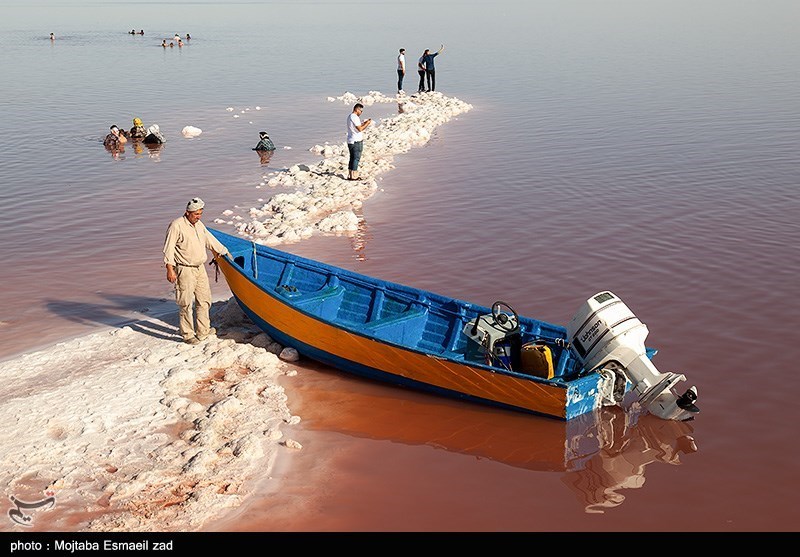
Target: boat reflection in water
[600, 453]
[611, 455]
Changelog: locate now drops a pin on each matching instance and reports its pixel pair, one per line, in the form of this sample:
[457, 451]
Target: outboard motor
[606, 334]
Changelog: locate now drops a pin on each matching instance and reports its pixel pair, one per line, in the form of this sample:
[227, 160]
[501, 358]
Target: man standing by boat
[185, 256]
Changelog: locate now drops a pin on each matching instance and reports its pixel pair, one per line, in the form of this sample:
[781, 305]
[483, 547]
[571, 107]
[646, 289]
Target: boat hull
[359, 353]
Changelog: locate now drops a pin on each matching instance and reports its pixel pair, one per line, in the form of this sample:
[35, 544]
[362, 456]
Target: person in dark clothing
[430, 70]
[265, 148]
[421, 71]
[265, 143]
[154, 136]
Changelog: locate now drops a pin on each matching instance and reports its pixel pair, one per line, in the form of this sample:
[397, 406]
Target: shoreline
[131, 430]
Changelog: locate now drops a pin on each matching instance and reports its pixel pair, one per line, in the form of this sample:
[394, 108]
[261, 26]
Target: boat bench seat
[405, 327]
[323, 302]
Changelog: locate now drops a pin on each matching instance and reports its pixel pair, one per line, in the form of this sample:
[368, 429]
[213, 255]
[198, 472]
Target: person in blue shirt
[430, 70]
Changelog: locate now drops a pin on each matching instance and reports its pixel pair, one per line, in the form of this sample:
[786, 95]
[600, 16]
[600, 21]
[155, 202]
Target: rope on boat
[216, 268]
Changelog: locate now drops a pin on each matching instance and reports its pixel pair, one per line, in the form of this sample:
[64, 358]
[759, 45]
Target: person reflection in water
[116, 153]
[358, 240]
[154, 150]
[265, 156]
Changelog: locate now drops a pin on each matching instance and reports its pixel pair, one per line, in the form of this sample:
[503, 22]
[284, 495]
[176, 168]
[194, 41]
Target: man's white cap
[195, 204]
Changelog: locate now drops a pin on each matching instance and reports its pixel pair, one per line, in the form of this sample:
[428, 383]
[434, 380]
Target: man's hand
[172, 276]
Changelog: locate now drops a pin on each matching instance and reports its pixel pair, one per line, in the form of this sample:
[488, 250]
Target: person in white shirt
[401, 69]
[355, 139]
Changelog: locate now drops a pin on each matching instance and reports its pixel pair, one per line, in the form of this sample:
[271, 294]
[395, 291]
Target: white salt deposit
[191, 131]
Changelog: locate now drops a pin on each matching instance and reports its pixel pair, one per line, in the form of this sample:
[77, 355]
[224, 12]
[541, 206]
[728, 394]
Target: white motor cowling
[605, 333]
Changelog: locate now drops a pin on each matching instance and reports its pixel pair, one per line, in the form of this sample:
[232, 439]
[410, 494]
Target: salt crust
[140, 429]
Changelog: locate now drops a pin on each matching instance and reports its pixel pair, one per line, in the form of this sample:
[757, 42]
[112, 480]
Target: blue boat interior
[385, 311]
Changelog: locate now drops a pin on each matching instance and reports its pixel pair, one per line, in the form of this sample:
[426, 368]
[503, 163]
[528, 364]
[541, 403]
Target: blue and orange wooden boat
[423, 340]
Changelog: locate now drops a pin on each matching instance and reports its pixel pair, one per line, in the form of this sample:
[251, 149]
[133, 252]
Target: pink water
[635, 157]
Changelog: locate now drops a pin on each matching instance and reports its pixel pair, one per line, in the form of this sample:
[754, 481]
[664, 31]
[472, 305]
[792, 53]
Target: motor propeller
[686, 400]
